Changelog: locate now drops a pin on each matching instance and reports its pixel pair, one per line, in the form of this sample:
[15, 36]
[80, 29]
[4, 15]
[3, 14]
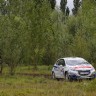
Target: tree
[89, 11]
[3, 7]
[10, 39]
[12, 47]
[80, 47]
[53, 3]
[77, 4]
[1, 62]
[38, 31]
[63, 6]
[67, 11]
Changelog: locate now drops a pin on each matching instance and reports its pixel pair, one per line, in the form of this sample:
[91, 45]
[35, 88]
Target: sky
[69, 4]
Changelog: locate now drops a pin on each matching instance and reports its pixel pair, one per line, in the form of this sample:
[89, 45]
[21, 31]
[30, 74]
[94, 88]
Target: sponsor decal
[78, 67]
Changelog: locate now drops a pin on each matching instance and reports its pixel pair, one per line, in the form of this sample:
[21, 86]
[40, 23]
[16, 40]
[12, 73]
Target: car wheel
[66, 77]
[53, 75]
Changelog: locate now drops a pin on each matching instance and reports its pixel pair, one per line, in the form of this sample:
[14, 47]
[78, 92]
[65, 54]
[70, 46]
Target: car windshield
[76, 62]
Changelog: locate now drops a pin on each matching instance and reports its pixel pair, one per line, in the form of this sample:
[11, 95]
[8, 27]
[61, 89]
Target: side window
[61, 62]
[57, 62]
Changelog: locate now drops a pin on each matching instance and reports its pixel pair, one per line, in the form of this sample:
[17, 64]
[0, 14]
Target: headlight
[93, 73]
[92, 69]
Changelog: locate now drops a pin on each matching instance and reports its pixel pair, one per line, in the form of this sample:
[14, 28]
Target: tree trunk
[1, 68]
[12, 69]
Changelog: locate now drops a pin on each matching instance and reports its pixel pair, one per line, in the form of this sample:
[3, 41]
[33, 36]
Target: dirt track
[35, 75]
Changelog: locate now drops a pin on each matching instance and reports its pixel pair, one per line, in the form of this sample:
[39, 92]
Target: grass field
[29, 85]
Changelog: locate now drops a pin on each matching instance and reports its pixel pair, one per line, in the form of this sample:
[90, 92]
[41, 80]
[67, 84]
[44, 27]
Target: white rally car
[71, 68]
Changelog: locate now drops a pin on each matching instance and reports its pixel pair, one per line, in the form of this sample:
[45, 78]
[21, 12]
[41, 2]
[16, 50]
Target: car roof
[72, 58]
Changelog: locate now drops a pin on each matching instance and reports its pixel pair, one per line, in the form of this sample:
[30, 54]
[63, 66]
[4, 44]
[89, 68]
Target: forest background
[33, 32]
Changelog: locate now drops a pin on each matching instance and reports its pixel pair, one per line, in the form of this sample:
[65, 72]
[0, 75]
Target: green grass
[30, 70]
[22, 85]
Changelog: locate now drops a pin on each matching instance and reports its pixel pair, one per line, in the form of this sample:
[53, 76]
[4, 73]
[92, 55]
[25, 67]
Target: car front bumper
[76, 76]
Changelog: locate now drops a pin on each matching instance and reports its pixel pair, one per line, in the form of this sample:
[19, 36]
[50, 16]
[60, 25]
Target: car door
[62, 66]
[56, 69]
[59, 68]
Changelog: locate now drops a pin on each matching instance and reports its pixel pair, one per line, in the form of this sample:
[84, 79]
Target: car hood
[80, 67]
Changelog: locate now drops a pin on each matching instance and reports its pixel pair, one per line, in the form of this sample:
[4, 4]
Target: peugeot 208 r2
[71, 68]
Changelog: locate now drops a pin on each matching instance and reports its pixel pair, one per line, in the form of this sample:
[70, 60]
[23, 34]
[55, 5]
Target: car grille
[84, 73]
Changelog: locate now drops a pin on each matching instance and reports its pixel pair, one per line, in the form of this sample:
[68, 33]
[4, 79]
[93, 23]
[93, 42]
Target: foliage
[63, 5]
[53, 3]
[31, 33]
[77, 4]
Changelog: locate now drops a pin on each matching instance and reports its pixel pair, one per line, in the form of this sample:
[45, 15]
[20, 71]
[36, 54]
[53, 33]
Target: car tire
[67, 78]
[53, 75]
